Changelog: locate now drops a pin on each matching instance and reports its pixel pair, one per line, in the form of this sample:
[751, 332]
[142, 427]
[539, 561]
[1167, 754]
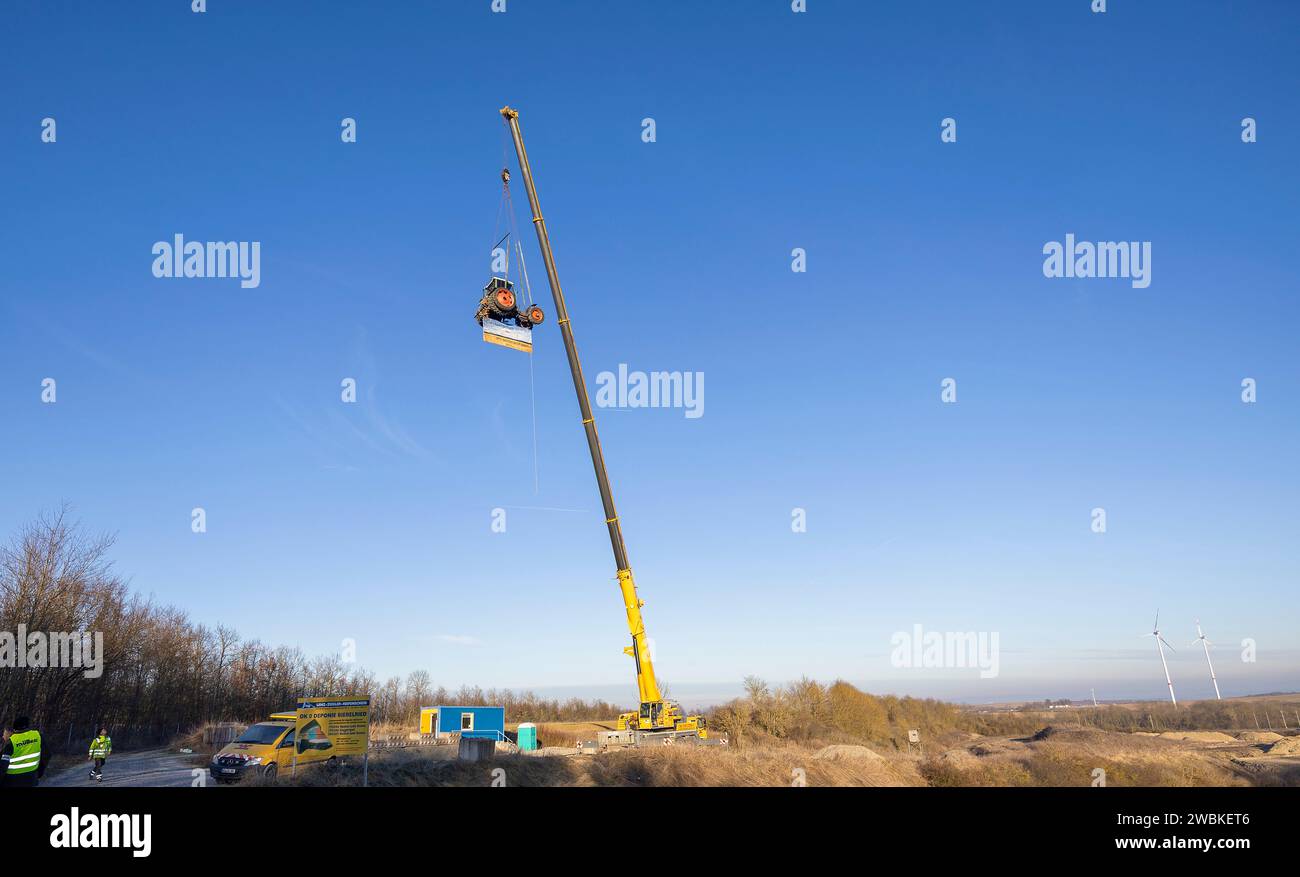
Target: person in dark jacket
[23, 758]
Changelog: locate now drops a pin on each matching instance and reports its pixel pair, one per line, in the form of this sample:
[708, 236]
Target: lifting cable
[502, 205]
[532, 388]
[507, 206]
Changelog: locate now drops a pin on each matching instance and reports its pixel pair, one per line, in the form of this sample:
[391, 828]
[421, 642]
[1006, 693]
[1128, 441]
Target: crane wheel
[504, 299]
[535, 315]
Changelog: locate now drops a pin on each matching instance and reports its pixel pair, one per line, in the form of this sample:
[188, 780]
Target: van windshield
[263, 734]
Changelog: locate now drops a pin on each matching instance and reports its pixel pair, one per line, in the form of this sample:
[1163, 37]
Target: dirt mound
[839, 751]
[1259, 737]
[994, 746]
[547, 751]
[1199, 736]
[1051, 732]
[959, 758]
[1285, 746]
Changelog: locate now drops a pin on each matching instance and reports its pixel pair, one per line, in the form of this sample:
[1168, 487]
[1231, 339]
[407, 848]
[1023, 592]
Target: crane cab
[663, 715]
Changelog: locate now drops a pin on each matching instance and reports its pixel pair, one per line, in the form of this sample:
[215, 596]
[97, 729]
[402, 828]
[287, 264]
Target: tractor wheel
[504, 300]
[535, 315]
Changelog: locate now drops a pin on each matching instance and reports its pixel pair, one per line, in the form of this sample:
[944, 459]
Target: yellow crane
[657, 718]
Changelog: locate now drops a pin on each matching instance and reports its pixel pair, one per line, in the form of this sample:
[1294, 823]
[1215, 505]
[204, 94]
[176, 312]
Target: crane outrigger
[657, 719]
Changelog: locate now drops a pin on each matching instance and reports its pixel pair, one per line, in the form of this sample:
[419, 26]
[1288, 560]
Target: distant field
[1273, 712]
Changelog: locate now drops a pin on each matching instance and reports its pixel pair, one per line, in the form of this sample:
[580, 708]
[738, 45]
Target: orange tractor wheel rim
[505, 298]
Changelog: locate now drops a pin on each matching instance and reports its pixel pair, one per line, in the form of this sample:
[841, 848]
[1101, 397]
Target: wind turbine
[1160, 644]
[1205, 644]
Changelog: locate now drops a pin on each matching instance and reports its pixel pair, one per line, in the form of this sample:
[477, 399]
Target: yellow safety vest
[100, 747]
[27, 752]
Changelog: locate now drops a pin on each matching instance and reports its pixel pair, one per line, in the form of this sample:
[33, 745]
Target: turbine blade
[1171, 648]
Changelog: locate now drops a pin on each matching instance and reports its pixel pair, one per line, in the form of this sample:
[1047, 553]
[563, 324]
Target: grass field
[839, 736]
[1051, 757]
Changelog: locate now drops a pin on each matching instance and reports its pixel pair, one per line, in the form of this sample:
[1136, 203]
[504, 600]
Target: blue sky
[775, 130]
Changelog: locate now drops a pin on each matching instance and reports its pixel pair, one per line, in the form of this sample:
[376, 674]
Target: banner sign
[333, 725]
[514, 337]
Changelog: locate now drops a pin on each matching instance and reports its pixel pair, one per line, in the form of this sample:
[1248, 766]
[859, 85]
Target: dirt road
[150, 767]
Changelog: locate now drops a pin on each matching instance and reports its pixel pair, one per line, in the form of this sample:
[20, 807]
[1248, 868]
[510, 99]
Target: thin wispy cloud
[339, 430]
[458, 639]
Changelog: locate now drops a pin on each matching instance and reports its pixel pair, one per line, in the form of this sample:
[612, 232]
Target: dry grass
[570, 734]
[710, 766]
[194, 740]
[660, 766]
[1054, 758]
[1069, 757]
[1047, 756]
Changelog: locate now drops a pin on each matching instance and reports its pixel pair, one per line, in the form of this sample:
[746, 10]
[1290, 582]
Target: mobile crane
[657, 720]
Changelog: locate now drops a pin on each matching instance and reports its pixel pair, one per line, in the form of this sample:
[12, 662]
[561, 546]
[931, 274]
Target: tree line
[163, 674]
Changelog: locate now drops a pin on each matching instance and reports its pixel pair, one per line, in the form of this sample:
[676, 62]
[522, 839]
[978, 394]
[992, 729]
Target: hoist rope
[532, 392]
[528, 290]
[507, 205]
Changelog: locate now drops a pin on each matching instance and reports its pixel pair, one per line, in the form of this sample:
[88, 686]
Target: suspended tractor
[500, 303]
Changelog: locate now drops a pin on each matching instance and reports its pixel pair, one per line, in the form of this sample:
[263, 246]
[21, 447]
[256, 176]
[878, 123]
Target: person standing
[23, 759]
[100, 748]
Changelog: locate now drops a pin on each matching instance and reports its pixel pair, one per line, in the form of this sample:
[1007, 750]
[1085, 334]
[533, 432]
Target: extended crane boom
[656, 714]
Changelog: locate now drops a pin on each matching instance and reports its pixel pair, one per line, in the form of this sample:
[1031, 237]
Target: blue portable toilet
[482, 722]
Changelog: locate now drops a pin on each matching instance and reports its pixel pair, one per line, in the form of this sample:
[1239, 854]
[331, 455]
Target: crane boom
[655, 713]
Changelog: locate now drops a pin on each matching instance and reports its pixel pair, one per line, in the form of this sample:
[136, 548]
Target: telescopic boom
[651, 702]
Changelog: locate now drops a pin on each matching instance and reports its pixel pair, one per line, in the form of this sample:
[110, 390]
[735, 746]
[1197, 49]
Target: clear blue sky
[774, 131]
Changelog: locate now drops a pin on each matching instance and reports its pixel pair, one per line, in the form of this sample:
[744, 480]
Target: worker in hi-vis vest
[23, 759]
[100, 748]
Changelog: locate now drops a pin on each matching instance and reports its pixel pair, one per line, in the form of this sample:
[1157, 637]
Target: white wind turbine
[1205, 644]
[1160, 643]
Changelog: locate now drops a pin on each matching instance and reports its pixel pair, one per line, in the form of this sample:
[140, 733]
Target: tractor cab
[499, 303]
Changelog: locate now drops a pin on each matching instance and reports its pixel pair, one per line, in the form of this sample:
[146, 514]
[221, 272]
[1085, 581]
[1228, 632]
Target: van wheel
[269, 772]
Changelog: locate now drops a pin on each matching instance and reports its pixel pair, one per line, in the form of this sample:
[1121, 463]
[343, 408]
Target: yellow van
[269, 747]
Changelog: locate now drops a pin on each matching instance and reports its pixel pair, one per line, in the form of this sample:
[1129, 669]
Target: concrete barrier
[476, 749]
